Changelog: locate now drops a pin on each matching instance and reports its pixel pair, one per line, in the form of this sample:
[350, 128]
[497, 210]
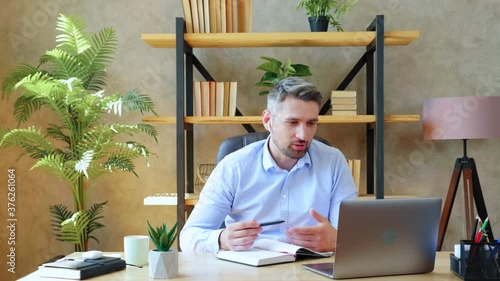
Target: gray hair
[295, 87]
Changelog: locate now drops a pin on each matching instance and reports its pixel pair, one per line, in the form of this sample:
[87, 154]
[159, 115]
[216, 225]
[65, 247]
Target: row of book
[344, 103]
[212, 98]
[217, 16]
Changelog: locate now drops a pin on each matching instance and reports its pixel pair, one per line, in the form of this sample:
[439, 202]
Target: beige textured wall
[456, 55]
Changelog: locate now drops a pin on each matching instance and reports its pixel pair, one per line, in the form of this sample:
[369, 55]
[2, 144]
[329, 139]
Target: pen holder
[478, 261]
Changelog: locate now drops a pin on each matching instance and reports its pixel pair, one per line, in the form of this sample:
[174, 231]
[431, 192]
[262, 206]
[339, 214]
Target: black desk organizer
[479, 261]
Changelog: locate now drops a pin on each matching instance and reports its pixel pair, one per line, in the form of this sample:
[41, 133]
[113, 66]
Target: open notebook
[267, 251]
[384, 237]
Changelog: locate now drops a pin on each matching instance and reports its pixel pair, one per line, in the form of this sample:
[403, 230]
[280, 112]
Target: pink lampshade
[473, 117]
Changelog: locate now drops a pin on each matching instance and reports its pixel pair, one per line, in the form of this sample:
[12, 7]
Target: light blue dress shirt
[249, 185]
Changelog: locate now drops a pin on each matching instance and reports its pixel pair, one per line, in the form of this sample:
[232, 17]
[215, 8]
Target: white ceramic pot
[163, 265]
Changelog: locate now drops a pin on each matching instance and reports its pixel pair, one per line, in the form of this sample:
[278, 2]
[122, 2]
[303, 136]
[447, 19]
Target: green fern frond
[133, 101]
[14, 76]
[100, 55]
[149, 130]
[73, 38]
[59, 214]
[64, 65]
[94, 213]
[95, 81]
[73, 229]
[25, 106]
[30, 136]
[57, 165]
[55, 131]
[120, 163]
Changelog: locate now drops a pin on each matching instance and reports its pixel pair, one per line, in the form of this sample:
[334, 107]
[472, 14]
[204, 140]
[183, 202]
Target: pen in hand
[271, 222]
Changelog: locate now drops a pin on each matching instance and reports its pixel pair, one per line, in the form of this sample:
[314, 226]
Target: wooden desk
[207, 267]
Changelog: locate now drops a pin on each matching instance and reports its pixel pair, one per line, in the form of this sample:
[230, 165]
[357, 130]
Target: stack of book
[213, 98]
[343, 103]
[217, 16]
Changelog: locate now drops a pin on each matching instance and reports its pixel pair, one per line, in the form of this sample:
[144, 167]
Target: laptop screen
[385, 237]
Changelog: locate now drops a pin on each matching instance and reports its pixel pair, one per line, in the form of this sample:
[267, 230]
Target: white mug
[136, 248]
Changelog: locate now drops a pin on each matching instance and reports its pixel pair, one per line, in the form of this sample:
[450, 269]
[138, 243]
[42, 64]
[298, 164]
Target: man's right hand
[239, 236]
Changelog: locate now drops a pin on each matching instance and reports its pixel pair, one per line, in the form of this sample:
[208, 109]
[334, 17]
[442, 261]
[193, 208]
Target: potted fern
[163, 261]
[324, 12]
[276, 71]
[69, 80]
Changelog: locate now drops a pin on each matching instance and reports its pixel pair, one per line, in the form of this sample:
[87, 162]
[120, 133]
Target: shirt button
[284, 196]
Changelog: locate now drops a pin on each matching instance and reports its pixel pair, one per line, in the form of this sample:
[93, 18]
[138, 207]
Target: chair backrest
[234, 143]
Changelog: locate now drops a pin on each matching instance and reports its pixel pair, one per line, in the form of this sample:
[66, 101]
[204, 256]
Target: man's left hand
[320, 238]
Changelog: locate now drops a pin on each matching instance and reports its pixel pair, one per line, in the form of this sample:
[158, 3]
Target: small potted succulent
[324, 12]
[276, 71]
[163, 261]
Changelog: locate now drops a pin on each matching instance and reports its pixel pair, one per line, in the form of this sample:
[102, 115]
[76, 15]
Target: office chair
[234, 143]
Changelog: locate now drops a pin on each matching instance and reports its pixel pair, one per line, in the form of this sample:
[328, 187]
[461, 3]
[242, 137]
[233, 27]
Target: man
[289, 176]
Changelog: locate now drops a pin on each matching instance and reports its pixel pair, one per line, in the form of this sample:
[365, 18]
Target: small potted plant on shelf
[276, 71]
[324, 12]
[163, 261]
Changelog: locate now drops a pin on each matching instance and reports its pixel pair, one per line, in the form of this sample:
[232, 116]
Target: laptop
[384, 237]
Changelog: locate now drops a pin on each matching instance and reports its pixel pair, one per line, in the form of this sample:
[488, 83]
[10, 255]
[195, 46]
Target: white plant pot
[163, 265]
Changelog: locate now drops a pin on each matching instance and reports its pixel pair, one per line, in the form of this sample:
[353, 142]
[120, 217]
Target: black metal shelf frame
[373, 58]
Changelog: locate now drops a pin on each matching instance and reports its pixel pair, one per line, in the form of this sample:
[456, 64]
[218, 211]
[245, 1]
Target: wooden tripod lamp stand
[464, 118]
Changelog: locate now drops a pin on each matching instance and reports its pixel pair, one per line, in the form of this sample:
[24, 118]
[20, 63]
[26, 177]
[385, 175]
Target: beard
[290, 152]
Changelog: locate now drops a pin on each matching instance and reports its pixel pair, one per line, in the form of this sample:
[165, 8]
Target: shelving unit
[374, 39]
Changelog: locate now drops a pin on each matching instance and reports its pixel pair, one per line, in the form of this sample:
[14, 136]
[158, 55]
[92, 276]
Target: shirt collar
[269, 163]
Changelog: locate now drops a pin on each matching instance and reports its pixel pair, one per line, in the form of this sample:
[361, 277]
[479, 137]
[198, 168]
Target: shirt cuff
[213, 240]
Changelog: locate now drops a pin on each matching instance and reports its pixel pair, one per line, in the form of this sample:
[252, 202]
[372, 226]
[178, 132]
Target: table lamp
[471, 117]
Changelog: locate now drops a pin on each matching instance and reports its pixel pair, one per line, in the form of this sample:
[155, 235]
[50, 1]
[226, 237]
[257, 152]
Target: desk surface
[207, 267]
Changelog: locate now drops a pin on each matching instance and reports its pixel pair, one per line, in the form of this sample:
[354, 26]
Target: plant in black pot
[324, 12]
[163, 261]
[276, 71]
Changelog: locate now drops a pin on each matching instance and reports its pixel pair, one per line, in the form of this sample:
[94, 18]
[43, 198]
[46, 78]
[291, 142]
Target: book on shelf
[247, 7]
[226, 99]
[343, 100]
[336, 106]
[194, 16]
[213, 16]
[205, 98]
[344, 112]
[206, 16]
[201, 17]
[229, 16]
[267, 251]
[79, 269]
[223, 16]
[233, 94]
[197, 103]
[343, 94]
[186, 7]
[213, 99]
[218, 19]
[219, 99]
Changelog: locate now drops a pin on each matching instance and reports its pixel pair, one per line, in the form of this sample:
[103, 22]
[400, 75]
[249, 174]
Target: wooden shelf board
[159, 120]
[280, 39]
[323, 119]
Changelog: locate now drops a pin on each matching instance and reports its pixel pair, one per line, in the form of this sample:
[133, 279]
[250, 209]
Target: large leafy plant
[331, 9]
[83, 145]
[275, 71]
